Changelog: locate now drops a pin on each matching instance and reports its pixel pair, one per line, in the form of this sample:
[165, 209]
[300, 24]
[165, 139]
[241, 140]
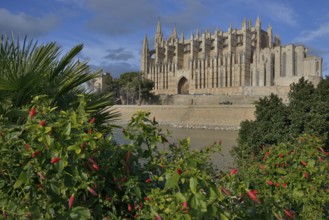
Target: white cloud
[281, 12]
[121, 17]
[307, 36]
[274, 10]
[26, 24]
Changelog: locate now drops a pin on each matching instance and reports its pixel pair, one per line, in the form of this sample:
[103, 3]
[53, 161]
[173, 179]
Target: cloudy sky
[112, 31]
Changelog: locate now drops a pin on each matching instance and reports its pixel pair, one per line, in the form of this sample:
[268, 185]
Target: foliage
[58, 165]
[275, 122]
[132, 85]
[291, 181]
[28, 69]
[270, 126]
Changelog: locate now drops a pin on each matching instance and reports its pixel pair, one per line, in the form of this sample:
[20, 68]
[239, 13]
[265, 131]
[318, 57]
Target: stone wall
[216, 117]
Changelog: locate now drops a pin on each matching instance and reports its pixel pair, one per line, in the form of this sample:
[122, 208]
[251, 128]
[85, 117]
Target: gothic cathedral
[246, 61]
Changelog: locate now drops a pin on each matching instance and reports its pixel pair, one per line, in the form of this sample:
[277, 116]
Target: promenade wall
[189, 116]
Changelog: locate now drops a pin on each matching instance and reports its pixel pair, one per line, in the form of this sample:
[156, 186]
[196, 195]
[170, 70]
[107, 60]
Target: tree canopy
[307, 112]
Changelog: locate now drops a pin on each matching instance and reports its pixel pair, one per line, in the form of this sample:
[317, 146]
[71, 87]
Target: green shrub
[291, 179]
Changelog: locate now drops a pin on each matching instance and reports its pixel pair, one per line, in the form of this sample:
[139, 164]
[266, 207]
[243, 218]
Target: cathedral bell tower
[145, 56]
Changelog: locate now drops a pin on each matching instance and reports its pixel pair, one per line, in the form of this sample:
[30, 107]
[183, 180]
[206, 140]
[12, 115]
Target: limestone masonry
[249, 61]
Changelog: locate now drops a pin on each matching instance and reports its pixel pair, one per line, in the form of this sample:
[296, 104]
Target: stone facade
[235, 62]
[99, 83]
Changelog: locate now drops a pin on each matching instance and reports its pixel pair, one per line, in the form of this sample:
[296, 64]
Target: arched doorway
[183, 86]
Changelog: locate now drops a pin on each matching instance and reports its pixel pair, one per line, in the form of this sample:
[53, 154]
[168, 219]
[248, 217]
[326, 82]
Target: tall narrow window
[294, 63]
[283, 71]
[272, 70]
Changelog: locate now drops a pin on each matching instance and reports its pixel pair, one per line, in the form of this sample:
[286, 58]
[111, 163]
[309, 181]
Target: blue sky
[112, 31]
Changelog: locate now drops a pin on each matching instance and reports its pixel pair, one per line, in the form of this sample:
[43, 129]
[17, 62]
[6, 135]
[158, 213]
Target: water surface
[201, 138]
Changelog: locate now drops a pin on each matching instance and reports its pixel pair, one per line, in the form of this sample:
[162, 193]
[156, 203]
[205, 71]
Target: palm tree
[28, 69]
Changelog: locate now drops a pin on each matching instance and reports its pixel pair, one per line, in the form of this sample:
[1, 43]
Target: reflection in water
[199, 139]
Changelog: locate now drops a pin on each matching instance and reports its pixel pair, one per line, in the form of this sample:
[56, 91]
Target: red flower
[179, 171]
[147, 199]
[185, 205]
[281, 155]
[306, 174]
[27, 147]
[42, 123]
[288, 214]
[269, 182]
[71, 200]
[284, 185]
[92, 191]
[32, 112]
[225, 191]
[158, 217]
[129, 208]
[320, 159]
[92, 120]
[90, 131]
[55, 160]
[253, 196]
[233, 171]
[262, 167]
[35, 154]
[128, 156]
[95, 166]
[41, 176]
[148, 180]
[303, 163]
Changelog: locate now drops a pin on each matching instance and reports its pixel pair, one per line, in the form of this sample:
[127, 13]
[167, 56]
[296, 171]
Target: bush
[58, 165]
[291, 181]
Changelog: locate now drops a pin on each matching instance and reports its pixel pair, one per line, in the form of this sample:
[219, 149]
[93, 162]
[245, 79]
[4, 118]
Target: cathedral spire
[270, 36]
[249, 24]
[174, 34]
[145, 55]
[182, 37]
[158, 34]
[244, 23]
[145, 44]
[258, 22]
[230, 29]
[159, 31]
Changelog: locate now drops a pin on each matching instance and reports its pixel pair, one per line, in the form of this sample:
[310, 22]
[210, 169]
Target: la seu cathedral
[247, 61]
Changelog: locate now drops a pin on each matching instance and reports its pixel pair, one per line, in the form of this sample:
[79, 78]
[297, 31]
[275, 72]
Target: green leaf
[223, 216]
[172, 180]
[68, 129]
[193, 184]
[22, 179]
[46, 139]
[80, 213]
[138, 192]
[61, 165]
[281, 171]
[54, 188]
[311, 163]
[213, 195]
[75, 148]
[180, 197]
[298, 193]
